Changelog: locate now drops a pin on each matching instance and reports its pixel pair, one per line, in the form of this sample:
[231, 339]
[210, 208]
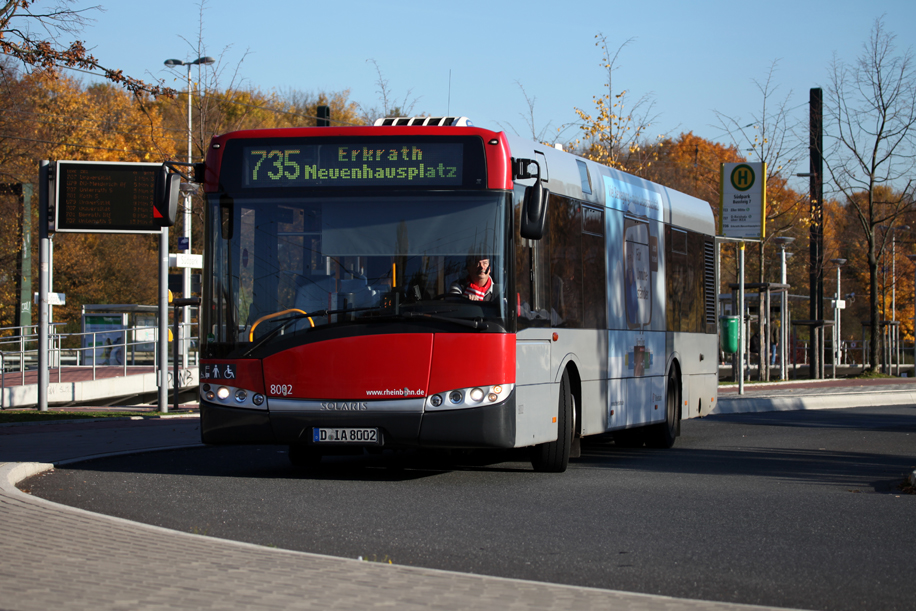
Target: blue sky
[693, 58]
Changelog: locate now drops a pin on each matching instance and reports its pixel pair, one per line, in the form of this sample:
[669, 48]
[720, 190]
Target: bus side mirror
[534, 212]
[165, 198]
[534, 204]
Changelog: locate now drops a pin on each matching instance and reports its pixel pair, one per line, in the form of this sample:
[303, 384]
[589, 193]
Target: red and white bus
[429, 284]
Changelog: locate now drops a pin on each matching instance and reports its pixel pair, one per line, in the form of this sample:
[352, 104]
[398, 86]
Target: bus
[424, 283]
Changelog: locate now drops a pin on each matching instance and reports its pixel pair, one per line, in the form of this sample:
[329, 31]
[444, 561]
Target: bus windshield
[290, 266]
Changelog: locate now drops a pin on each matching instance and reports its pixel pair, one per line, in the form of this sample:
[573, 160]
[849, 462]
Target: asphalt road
[790, 509]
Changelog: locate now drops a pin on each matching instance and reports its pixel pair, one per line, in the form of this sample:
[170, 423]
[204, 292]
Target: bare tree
[390, 106]
[871, 110]
[32, 36]
[537, 135]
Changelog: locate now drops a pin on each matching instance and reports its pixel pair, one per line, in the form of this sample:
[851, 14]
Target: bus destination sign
[399, 164]
[106, 197]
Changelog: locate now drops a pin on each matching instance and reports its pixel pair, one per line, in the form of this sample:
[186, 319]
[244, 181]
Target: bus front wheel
[553, 456]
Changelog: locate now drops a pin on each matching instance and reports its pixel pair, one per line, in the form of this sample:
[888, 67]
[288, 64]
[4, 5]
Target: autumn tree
[614, 135]
[57, 117]
[691, 165]
[870, 115]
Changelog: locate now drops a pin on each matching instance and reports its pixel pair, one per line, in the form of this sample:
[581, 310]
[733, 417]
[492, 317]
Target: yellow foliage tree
[613, 135]
[62, 119]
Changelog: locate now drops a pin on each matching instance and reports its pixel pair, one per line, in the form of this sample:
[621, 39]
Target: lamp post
[894, 352]
[783, 241]
[836, 314]
[186, 272]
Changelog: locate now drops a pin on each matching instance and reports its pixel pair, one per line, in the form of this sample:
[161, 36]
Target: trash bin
[729, 332]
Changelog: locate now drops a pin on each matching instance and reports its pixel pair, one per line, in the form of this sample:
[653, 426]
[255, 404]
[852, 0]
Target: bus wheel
[662, 435]
[302, 457]
[553, 456]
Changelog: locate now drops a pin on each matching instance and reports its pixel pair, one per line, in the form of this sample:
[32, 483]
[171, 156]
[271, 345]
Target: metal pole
[44, 267]
[895, 355]
[783, 319]
[836, 322]
[175, 372]
[741, 314]
[839, 314]
[186, 272]
[163, 343]
[765, 339]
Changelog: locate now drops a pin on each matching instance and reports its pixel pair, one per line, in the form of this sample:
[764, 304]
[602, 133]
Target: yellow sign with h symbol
[742, 201]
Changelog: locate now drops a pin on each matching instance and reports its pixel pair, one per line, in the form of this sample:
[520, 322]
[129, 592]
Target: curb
[746, 404]
[13, 473]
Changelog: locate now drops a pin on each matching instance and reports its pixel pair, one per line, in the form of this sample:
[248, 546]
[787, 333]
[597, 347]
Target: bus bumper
[229, 425]
[491, 426]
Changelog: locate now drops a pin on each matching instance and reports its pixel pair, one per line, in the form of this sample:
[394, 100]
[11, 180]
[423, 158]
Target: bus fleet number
[284, 390]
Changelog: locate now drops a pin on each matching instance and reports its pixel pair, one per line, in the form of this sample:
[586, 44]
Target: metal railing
[19, 350]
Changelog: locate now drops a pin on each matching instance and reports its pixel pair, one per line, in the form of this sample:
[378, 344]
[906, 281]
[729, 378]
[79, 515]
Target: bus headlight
[462, 398]
[233, 396]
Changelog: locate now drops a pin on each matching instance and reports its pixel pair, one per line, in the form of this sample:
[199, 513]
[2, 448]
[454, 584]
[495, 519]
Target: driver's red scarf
[480, 291]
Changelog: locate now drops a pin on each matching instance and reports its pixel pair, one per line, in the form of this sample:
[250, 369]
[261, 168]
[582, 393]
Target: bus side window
[594, 273]
[564, 218]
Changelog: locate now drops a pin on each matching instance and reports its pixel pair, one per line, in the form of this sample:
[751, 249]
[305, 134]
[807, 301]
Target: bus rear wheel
[553, 456]
[663, 434]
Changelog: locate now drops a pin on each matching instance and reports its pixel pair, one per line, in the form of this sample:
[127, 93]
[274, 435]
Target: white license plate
[348, 435]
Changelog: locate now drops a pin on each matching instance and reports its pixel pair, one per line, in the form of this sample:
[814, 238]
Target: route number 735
[278, 159]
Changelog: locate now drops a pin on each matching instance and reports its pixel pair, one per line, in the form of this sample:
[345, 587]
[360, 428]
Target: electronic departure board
[362, 162]
[354, 164]
[107, 197]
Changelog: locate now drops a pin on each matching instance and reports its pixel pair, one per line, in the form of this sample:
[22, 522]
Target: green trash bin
[729, 332]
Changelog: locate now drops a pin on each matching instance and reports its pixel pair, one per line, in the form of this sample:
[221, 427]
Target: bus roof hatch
[429, 121]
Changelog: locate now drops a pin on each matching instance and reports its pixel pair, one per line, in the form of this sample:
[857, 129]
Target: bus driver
[478, 286]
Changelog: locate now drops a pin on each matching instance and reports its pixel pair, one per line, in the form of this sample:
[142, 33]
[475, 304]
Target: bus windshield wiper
[474, 324]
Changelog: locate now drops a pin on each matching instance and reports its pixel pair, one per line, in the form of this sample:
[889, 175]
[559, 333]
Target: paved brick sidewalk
[57, 557]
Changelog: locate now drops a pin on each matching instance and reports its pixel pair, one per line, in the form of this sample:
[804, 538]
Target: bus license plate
[349, 435]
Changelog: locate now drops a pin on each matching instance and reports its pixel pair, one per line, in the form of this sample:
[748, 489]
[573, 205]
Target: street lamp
[836, 314]
[783, 241]
[186, 272]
